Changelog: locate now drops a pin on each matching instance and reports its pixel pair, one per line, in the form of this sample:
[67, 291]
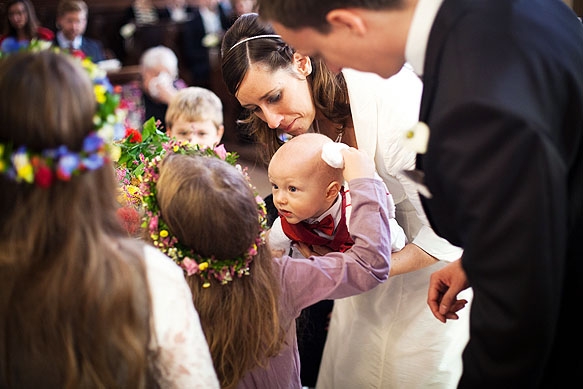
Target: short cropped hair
[295, 14]
[195, 104]
[66, 6]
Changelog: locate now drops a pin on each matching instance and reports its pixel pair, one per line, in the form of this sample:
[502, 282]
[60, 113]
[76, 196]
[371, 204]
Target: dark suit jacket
[90, 47]
[196, 55]
[503, 98]
[93, 49]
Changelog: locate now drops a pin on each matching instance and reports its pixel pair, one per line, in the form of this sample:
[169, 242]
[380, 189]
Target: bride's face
[280, 98]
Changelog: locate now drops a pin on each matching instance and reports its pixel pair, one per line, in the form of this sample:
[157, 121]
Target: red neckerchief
[301, 233]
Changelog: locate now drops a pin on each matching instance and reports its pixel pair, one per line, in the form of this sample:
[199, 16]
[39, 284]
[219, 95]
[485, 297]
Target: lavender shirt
[333, 276]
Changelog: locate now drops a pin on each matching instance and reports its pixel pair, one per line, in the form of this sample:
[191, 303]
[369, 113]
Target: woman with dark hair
[21, 26]
[288, 94]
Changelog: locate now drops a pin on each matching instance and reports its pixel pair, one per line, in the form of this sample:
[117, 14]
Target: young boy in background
[195, 115]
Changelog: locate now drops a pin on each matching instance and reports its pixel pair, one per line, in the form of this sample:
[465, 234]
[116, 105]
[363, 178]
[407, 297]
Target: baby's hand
[357, 164]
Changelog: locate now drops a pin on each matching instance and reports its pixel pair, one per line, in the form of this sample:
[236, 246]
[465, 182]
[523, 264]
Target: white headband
[254, 37]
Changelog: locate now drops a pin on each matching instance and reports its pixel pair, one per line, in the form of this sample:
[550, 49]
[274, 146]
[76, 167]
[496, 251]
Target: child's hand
[357, 164]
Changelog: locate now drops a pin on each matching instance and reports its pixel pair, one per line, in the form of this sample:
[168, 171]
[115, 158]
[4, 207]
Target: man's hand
[444, 286]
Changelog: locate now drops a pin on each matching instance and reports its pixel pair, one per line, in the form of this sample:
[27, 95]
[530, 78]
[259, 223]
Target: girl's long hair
[31, 25]
[74, 303]
[209, 206]
[329, 90]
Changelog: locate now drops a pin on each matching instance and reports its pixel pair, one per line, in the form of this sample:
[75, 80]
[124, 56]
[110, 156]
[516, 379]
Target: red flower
[130, 219]
[43, 177]
[78, 53]
[133, 135]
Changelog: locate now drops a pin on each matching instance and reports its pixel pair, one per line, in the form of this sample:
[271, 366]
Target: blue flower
[11, 45]
[67, 164]
[93, 162]
[92, 143]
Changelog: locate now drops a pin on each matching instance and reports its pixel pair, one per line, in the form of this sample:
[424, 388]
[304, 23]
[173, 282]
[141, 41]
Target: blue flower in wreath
[12, 45]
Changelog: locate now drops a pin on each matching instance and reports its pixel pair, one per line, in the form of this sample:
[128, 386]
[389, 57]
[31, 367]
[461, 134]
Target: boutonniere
[416, 138]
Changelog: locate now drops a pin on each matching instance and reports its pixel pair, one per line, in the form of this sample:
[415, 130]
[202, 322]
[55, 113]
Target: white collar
[423, 18]
[64, 42]
[335, 210]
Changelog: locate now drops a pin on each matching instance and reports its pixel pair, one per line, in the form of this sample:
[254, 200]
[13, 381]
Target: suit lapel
[446, 17]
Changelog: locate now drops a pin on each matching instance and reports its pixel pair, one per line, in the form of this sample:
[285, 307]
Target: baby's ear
[332, 190]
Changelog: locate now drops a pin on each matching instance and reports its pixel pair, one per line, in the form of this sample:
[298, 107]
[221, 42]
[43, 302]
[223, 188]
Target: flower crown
[42, 168]
[23, 165]
[192, 263]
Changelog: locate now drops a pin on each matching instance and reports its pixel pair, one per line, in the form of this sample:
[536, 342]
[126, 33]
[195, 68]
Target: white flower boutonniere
[416, 138]
[211, 40]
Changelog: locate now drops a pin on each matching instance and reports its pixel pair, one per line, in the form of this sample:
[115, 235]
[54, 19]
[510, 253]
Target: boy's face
[73, 24]
[299, 193]
[203, 133]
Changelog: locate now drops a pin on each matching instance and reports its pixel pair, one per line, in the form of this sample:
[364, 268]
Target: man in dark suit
[72, 22]
[503, 100]
[201, 34]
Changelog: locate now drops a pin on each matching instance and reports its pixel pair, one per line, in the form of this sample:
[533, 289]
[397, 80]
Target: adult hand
[308, 251]
[444, 286]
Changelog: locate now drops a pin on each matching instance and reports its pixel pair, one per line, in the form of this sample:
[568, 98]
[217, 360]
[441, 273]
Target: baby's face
[299, 193]
[203, 133]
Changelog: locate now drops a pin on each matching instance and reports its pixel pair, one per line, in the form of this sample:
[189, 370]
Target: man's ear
[303, 64]
[332, 190]
[346, 18]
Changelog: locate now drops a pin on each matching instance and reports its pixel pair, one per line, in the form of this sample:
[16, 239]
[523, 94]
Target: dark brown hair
[329, 91]
[32, 23]
[296, 14]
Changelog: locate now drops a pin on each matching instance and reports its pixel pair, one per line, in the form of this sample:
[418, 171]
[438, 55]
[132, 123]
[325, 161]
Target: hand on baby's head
[357, 164]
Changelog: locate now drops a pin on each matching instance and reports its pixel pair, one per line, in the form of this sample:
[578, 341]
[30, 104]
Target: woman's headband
[254, 37]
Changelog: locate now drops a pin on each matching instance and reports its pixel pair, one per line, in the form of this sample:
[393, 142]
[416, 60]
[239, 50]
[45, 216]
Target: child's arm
[398, 238]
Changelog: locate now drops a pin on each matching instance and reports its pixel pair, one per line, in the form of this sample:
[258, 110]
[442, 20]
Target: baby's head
[195, 115]
[303, 185]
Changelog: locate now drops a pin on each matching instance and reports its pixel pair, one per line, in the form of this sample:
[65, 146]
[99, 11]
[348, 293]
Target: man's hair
[66, 6]
[296, 14]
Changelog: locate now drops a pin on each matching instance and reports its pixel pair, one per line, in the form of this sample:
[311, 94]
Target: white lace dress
[185, 360]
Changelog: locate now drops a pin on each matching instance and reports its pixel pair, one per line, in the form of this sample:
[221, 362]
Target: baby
[195, 115]
[312, 198]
